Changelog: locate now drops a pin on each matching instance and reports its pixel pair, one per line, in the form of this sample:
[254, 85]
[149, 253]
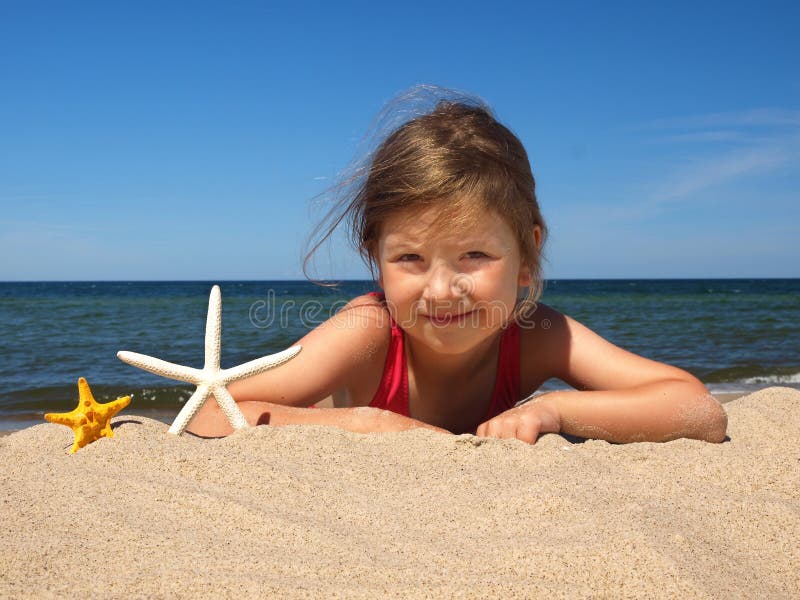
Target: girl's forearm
[656, 412]
[359, 419]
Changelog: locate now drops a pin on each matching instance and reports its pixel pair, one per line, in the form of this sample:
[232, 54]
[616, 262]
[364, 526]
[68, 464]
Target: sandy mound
[320, 512]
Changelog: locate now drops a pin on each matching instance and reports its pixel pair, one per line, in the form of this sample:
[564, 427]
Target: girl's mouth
[448, 319]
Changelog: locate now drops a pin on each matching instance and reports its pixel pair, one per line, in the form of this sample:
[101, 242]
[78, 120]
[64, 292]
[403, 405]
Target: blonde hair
[456, 157]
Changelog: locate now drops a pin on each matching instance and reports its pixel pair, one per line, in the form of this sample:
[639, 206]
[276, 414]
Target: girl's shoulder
[346, 352]
[367, 313]
[540, 329]
[363, 320]
[363, 330]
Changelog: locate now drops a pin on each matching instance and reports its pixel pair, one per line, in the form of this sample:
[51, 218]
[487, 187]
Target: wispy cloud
[752, 143]
[758, 117]
[722, 135]
[707, 172]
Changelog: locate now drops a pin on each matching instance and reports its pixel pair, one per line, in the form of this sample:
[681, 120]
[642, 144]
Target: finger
[527, 432]
[509, 431]
[530, 427]
[490, 428]
[502, 429]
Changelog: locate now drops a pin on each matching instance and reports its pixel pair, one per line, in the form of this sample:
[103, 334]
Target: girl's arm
[348, 347]
[361, 419]
[620, 396]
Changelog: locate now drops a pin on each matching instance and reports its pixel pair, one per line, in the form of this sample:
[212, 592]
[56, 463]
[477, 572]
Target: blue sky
[185, 140]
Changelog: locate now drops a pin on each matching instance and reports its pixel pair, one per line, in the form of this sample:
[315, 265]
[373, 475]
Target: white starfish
[211, 379]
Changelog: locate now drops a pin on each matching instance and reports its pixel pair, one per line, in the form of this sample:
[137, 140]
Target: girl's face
[450, 290]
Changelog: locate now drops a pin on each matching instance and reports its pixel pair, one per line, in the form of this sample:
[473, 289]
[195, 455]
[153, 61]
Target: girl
[447, 217]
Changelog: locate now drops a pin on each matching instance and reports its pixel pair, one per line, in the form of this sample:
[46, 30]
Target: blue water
[735, 335]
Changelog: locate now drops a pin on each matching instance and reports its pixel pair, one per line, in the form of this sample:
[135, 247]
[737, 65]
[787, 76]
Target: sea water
[735, 335]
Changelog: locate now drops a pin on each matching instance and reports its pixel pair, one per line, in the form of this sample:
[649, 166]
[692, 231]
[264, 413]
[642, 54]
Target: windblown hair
[456, 157]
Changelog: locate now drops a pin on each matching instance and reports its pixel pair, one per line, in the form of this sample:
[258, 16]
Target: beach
[320, 512]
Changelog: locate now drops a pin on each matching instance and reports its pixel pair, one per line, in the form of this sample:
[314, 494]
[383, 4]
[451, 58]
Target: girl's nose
[444, 283]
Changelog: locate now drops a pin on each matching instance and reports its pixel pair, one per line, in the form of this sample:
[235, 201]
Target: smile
[449, 319]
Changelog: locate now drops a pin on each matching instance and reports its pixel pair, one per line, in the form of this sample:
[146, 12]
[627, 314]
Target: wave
[752, 374]
[791, 379]
[63, 398]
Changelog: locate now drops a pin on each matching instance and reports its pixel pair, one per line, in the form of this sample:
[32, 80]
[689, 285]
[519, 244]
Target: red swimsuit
[392, 392]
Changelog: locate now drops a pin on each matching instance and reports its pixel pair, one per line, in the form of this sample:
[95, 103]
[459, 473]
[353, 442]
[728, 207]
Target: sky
[192, 140]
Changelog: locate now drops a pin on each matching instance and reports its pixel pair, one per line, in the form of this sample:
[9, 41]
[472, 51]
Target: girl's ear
[525, 276]
[537, 237]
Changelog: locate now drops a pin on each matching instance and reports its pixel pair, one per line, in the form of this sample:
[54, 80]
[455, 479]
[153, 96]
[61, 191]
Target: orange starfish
[90, 420]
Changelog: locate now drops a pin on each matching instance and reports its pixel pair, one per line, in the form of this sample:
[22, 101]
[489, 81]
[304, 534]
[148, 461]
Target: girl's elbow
[712, 420]
[719, 425]
[702, 417]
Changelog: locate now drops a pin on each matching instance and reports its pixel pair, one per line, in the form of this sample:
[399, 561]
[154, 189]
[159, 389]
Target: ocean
[735, 335]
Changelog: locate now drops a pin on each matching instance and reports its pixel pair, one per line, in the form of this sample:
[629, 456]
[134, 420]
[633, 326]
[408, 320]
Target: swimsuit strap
[506, 384]
[392, 393]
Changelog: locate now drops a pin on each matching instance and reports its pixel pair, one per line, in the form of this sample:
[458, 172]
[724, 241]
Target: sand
[321, 512]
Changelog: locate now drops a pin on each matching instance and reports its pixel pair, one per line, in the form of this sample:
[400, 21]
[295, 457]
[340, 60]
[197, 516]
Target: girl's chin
[450, 339]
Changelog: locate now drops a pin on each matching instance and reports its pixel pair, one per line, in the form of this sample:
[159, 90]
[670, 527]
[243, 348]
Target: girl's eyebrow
[398, 240]
[401, 239]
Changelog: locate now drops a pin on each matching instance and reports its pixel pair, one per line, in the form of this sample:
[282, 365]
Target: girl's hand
[525, 422]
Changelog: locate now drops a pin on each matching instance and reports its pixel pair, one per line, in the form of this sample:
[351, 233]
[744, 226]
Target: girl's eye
[476, 254]
[408, 257]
